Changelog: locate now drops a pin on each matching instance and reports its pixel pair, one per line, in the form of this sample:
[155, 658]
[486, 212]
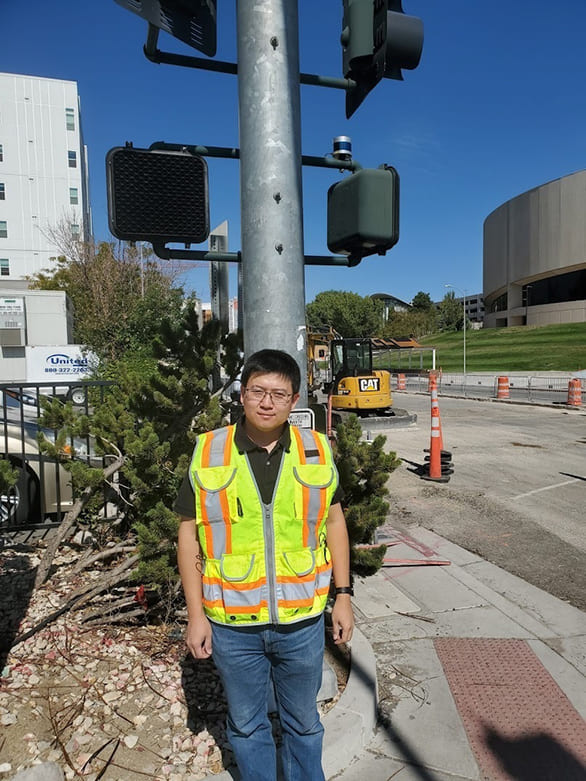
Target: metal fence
[42, 493]
[536, 389]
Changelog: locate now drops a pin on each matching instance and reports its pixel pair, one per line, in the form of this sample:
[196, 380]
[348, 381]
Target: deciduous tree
[451, 315]
[422, 301]
[348, 313]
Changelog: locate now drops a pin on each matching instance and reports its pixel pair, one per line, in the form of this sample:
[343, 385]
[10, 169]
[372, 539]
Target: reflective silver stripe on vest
[219, 439]
[309, 445]
[212, 591]
[323, 578]
[292, 592]
[251, 597]
[314, 504]
[213, 505]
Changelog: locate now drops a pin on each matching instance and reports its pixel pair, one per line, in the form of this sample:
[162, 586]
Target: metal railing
[530, 388]
[42, 493]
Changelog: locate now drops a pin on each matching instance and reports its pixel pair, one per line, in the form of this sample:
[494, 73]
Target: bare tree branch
[81, 597]
[67, 524]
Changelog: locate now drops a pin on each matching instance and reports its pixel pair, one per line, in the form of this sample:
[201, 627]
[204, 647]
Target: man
[256, 565]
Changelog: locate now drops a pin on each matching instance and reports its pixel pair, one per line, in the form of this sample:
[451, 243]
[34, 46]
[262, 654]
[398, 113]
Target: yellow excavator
[343, 368]
[356, 385]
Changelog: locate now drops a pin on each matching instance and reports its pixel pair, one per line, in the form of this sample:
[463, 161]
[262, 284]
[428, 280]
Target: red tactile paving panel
[519, 723]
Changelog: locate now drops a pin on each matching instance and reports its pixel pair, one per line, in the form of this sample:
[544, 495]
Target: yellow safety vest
[263, 564]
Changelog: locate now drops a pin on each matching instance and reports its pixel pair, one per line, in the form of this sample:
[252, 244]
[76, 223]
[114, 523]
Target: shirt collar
[245, 444]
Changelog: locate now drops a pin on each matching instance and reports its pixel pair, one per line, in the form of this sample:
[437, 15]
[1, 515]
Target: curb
[350, 724]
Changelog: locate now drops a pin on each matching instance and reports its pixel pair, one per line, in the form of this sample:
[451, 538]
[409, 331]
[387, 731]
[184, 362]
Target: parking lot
[518, 491]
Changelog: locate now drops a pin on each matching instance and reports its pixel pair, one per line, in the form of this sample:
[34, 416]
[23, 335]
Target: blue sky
[496, 107]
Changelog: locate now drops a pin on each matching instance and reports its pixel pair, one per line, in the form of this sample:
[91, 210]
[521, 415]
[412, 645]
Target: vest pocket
[300, 562]
[234, 588]
[214, 478]
[217, 497]
[314, 475]
[236, 567]
[296, 584]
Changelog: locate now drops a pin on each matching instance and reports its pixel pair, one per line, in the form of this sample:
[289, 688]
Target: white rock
[8, 718]
[5, 767]
[176, 708]
[130, 740]
[84, 537]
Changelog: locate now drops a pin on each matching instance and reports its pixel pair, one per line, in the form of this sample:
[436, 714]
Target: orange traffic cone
[439, 467]
[435, 405]
[401, 382]
[502, 391]
[575, 393]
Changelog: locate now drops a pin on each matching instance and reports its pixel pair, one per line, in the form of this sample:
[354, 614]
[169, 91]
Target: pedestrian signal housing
[157, 196]
[363, 213]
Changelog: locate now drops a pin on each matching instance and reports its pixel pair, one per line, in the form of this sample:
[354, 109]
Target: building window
[2, 191]
[556, 290]
[3, 229]
[73, 196]
[1, 153]
[75, 230]
[4, 267]
[70, 118]
[72, 159]
[500, 304]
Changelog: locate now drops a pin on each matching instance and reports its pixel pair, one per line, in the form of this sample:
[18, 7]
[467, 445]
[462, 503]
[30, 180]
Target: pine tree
[364, 468]
[153, 426]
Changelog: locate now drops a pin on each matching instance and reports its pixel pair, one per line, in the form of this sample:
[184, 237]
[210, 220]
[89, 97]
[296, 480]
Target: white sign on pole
[302, 418]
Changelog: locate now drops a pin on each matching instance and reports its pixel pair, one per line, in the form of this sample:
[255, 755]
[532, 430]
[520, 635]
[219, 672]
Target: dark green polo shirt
[265, 468]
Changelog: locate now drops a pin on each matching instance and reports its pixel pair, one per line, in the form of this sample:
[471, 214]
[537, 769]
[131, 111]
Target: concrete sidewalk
[480, 675]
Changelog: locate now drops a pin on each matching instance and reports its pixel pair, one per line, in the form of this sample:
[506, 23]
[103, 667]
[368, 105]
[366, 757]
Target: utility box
[363, 213]
[12, 321]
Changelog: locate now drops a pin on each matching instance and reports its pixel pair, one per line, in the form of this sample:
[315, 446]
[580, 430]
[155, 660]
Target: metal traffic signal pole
[273, 283]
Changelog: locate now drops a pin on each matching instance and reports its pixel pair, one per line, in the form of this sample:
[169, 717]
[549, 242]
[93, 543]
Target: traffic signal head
[404, 42]
[193, 23]
[363, 213]
[378, 40]
[157, 196]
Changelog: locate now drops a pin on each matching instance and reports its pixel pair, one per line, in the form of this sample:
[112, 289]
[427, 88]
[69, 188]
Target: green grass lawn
[523, 348]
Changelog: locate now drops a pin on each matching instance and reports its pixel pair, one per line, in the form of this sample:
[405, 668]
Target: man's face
[263, 410]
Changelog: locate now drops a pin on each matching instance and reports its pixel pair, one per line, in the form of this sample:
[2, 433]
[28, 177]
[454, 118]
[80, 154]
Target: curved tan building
[535, 256]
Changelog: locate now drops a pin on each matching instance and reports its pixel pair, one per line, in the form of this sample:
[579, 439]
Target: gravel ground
[108, 702]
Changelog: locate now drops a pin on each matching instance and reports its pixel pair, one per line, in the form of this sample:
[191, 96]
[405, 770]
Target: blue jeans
[246, 657]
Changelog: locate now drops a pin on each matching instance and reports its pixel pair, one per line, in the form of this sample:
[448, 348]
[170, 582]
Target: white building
[535, 256]
[43, 172]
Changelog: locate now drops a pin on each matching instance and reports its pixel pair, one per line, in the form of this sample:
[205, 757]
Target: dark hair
[272, 362]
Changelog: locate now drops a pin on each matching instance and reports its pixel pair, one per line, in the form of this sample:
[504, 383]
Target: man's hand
[198, 637]
[342, 619]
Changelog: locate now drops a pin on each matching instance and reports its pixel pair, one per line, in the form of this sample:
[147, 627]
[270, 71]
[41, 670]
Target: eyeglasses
[278, 397]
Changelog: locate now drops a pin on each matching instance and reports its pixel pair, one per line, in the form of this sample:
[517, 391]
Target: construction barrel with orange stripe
[263, 563]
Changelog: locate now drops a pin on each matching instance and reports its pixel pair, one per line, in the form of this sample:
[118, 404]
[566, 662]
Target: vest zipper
[269, 533]
[269, 546]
